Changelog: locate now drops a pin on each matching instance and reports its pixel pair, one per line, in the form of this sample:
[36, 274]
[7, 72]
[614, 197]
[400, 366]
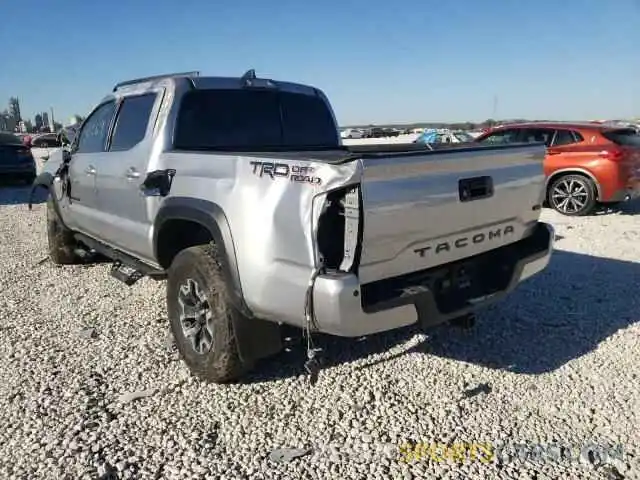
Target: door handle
[90, 170]
[132, 173]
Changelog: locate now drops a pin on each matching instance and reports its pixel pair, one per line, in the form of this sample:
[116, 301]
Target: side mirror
[66, 156]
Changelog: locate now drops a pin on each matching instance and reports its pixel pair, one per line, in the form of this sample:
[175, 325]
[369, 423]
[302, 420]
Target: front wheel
[62, 245]
[202, 316]
[572, 195]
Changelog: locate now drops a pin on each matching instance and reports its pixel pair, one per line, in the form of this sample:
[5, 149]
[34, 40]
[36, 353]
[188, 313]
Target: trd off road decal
[295, 173]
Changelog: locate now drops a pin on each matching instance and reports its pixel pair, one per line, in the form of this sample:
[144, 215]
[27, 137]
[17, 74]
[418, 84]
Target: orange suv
[586, 163]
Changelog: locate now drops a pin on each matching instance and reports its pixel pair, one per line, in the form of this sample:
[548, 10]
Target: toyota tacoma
[239, 192]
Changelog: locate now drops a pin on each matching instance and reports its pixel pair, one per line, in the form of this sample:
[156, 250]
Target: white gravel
[88, 388]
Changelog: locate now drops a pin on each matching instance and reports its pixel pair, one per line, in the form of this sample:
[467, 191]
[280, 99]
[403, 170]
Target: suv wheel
[202, 317]
[572, 195]
[62, 245]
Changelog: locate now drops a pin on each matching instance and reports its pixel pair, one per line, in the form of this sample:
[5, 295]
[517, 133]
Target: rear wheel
[62, 245]
[202, 317]
[572, 195]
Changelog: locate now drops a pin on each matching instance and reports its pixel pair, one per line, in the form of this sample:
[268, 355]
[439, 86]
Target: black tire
[62, 245]
[572, 195]
[221, 363]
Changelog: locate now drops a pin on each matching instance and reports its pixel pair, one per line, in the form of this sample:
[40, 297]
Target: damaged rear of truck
[240, 193]
[392, 239]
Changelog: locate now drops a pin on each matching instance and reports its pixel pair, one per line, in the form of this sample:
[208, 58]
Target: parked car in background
[16, 160]
[351, 133]
[43, 145]
[380, 132]
[438, 137]
[585, 164]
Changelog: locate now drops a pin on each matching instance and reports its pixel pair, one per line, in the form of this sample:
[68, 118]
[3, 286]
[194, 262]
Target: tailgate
[423, 209]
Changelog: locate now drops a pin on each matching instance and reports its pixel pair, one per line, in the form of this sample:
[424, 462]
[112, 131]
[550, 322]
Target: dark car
[379, 132]
[16, 160]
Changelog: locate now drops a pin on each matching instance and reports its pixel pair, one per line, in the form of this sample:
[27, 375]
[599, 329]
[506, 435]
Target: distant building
[14, 109]
[38, 122]
[45, 120]
[7, 122]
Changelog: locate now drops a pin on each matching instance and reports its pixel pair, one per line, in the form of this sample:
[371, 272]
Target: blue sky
[378, 61]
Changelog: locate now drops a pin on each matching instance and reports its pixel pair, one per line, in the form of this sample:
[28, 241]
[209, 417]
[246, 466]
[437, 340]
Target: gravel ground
[556, 363]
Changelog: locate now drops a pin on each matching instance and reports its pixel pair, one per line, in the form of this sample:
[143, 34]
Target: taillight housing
[613, 153]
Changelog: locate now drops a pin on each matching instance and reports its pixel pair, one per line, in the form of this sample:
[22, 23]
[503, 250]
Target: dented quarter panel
[272, 221]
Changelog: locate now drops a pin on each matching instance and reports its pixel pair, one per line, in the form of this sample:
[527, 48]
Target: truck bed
[339, 155]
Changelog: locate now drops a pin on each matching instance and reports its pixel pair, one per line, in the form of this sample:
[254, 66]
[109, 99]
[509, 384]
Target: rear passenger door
[562, 152]
[125, 219]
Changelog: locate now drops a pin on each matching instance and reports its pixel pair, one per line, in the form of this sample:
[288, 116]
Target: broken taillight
[340, 230]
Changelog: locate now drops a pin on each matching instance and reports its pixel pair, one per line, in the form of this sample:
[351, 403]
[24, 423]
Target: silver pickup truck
[239, 192]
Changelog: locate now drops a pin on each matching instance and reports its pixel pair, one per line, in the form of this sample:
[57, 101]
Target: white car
[351, 133]
[43, 145]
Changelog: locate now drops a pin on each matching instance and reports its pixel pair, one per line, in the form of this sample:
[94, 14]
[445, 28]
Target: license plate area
[452, 287]
[476, 188]
[457, 286]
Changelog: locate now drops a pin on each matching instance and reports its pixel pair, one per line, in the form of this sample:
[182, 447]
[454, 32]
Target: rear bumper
[345, 308]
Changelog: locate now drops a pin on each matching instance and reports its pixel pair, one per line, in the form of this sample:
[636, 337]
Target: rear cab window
[626, 137]
[254, 120]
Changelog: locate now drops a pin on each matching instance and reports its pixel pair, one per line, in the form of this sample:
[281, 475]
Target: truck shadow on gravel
[625, 208]
[562, 314]
[11, 194]
[558, 316]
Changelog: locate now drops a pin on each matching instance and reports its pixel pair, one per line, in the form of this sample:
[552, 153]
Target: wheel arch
[574, 171]
[204, 221]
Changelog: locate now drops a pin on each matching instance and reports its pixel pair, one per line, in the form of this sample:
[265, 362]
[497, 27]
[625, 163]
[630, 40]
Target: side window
[39, 143]
[48, 141]
[95, 129]
[535, 135]
[502, 137]
[132, 121]
[54, 142]
[566, 137]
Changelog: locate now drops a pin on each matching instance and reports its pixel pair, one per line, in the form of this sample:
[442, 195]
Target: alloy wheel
[196, 318]
[570, 196]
